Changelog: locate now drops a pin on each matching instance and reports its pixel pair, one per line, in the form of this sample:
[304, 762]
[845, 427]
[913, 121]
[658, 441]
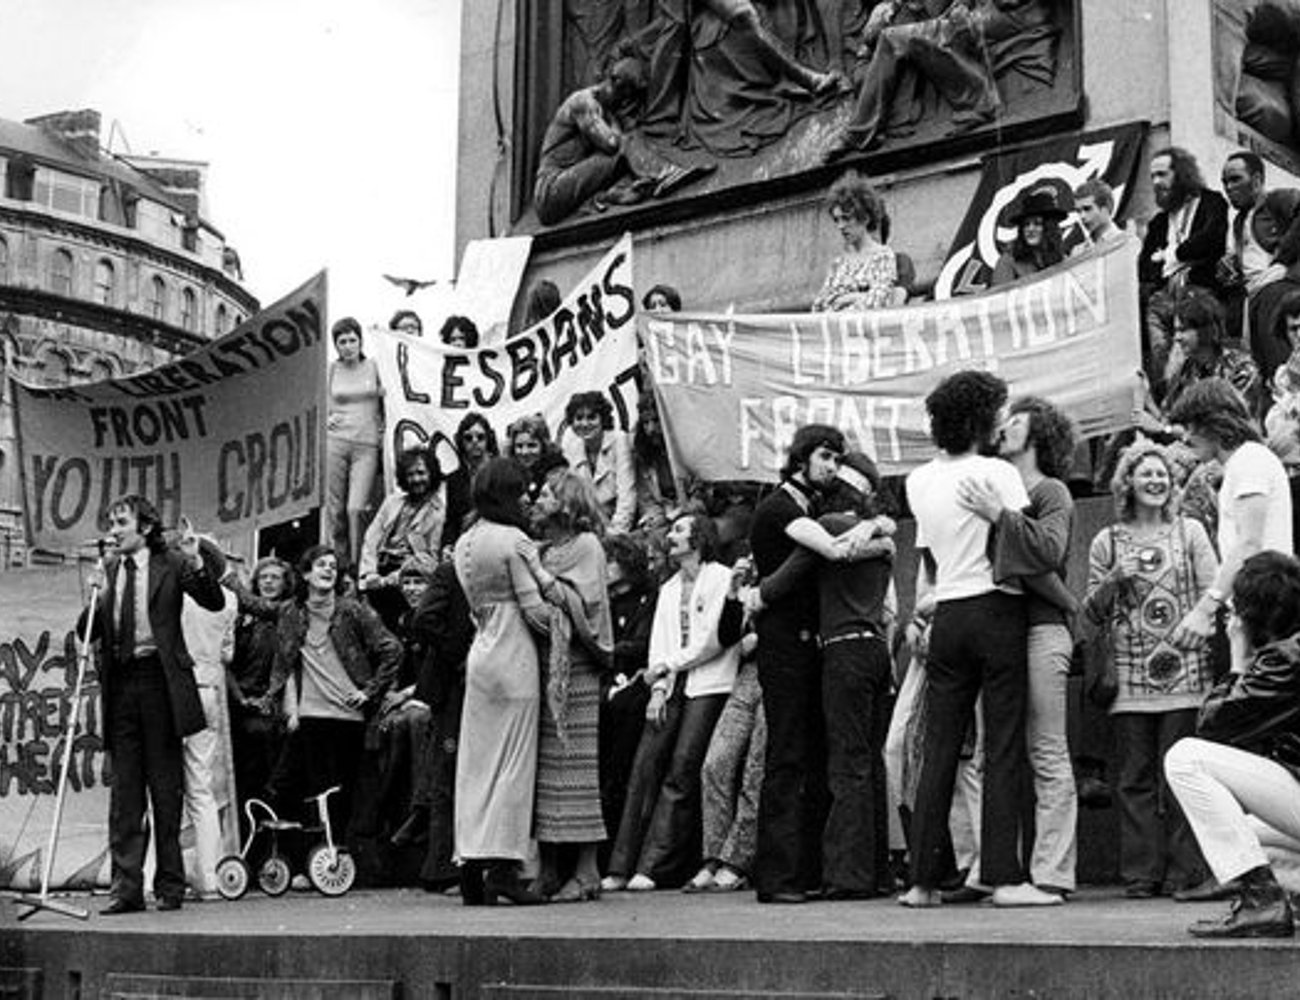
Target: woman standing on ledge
[353, 432]
[866, 275]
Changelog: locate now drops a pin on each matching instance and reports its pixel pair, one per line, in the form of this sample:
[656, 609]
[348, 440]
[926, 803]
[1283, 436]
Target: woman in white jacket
[595, 449]
[690, 675]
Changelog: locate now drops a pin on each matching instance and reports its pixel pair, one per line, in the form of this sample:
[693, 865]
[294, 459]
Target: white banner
[588, 344]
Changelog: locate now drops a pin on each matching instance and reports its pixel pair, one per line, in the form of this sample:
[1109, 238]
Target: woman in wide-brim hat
[1037, 218]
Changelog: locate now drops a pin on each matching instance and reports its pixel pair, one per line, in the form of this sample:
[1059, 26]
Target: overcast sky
[329, 126]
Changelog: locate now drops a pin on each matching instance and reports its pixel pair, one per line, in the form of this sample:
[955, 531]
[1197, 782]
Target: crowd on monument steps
[557, 672]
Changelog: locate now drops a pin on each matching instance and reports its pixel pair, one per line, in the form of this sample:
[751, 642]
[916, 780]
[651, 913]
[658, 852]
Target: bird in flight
[410, 285]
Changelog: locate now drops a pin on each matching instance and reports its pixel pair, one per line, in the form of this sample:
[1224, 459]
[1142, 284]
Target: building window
[61, 273]
[156, 300]
[20, 173]
[158, 223]
[66, 193]
[104, 282]
[4, 261]
[189, 310]
[223, 319]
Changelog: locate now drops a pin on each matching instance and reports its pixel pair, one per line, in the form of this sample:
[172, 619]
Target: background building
[108, 265]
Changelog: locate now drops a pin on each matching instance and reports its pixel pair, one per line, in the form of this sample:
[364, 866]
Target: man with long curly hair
[1186, 238]
[977, 644]
[1032, 546]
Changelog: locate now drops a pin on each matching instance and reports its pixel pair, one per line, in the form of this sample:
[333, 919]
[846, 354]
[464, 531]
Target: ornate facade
[107, 266]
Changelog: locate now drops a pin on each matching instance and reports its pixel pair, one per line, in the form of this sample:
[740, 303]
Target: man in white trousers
[210, 636]
[1240, 774]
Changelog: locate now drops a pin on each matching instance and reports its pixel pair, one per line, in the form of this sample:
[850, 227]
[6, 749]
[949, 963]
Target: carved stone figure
[585, 153]
[720, 79]
[728, 79]
[959, 51]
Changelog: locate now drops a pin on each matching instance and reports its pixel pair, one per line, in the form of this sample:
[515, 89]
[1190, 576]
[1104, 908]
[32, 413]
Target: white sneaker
[1024, 894]
[641, 883]
[728, 879]
[702, 881]
[917, 898]
[613, 883]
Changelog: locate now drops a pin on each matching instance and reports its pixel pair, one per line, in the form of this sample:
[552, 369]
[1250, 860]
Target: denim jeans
[1056, 808]
[733, 775]
[671, 853]
[1156, 845]
[350, 471]
[649, 766]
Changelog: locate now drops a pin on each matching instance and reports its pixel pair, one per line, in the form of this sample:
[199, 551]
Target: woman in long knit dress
[496, 769]
[572, 571]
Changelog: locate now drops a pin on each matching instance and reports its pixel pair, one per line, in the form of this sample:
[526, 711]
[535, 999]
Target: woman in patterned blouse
[866, 275]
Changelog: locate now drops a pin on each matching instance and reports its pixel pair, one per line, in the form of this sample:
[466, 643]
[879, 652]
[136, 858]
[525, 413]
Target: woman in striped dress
[571, 572]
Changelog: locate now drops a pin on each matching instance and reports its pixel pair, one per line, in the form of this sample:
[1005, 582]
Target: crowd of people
[554, 671]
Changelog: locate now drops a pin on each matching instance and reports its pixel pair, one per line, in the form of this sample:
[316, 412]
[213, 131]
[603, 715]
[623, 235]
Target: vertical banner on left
[231, 435]
[38, 672]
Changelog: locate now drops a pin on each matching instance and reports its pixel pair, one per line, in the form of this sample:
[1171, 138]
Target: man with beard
[409, 522]
[1186, 238]
[794, 799]
[978, 645]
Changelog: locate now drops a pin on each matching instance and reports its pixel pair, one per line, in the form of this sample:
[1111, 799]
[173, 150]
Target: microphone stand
[43, 900]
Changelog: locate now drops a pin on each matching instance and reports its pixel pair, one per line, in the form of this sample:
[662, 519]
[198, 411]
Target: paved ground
[1091, 917]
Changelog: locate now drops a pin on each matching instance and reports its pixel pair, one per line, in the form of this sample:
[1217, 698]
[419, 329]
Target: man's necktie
[126, 631]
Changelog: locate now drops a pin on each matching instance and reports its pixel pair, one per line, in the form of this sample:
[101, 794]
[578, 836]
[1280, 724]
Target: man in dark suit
[150, 700]
[1186, 238]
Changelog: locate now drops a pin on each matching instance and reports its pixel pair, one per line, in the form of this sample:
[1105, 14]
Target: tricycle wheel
[274, 876]
[233, 876]
[331, 879]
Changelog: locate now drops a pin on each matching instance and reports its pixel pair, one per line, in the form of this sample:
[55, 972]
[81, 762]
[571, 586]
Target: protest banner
[732, 389]
[38, 664]
[488, 280]
[588, 344]
[229, 436]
